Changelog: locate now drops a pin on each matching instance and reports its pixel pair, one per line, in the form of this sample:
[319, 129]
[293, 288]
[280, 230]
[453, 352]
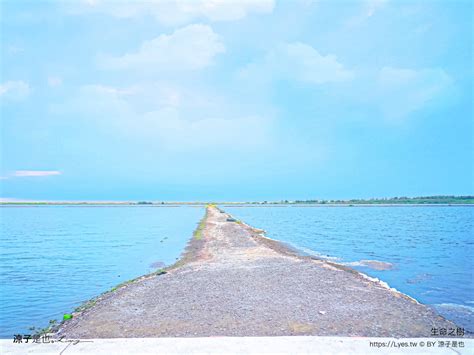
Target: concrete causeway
[232, 281]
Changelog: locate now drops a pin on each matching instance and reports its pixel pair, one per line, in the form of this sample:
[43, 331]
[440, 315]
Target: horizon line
[6, 200]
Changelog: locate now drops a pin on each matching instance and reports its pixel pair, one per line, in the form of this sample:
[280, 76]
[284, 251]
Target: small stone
[322, 312]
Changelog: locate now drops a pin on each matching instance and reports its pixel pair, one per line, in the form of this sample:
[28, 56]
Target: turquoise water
[53, 258]
[430, 249]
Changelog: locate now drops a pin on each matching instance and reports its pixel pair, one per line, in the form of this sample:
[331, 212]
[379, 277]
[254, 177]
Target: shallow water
[423, 251]
[53, 258]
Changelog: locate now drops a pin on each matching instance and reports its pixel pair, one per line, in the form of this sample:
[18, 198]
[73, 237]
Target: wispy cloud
[12, 49]
[368, 9]
[173, 12]
[54, 81]
[171, 117]
[189, 48]
[300, 62]
[12, 199]
[36, 173]
[401, 91]
[14, 90]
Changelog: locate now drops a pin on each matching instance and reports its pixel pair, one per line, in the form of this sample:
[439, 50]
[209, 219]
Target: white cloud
[367, 10]
[13, 49]
[169, 118]
[104, 90]
[54, 81]
[400, 91]
[225, 10]
[181, 134]
[190, 48]
[175, 12]
[36, 173]
[148, 97]
[12, 199]
[372, 6]
[300, 62]
[14, 90]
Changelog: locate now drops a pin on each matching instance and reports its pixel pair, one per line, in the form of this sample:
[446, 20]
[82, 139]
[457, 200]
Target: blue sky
[224, 100]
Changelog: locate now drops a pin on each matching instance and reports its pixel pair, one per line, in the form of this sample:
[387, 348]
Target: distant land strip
[423, 200]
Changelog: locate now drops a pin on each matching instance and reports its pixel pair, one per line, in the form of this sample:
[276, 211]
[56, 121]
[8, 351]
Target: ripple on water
[372, 264]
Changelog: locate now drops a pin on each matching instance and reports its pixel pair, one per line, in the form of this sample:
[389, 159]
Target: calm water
[53, 258]
[431, 248]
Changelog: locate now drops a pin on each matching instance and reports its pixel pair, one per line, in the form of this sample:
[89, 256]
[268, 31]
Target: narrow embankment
[231, 281]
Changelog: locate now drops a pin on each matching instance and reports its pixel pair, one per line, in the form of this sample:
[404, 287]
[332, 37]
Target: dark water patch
[420, 278]
[372, 264]
[157, 265]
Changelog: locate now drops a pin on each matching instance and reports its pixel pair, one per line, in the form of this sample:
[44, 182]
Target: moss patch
[200, 228]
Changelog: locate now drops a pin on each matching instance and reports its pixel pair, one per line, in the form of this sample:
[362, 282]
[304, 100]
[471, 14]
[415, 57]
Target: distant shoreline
[230, 204]
[445, 200]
